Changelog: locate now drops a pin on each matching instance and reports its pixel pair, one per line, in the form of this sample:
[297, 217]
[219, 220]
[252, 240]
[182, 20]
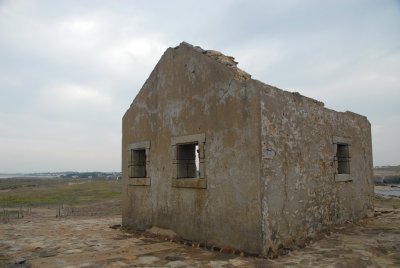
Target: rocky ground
[42, 240]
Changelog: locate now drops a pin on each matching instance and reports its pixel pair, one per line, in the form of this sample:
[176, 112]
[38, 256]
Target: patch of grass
[39, 192]
[15, 183]
[387, 202]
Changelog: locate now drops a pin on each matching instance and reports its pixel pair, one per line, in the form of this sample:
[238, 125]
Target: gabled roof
[226, 62]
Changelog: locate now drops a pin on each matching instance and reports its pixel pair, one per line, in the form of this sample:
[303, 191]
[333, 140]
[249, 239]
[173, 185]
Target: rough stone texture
[300, 194]
[90, 242]
[268, 157]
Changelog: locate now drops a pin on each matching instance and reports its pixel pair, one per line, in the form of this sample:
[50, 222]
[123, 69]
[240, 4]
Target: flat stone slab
[90, 242]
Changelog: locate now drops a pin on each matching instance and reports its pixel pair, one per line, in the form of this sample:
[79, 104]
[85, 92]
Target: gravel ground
[42, 240]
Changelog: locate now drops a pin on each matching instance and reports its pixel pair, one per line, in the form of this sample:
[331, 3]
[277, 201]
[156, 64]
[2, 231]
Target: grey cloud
[344, 53]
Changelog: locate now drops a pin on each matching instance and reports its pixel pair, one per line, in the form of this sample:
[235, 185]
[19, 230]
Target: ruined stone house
[226, 160]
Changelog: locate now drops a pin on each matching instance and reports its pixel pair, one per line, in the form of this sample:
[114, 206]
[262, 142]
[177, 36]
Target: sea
[388, 191]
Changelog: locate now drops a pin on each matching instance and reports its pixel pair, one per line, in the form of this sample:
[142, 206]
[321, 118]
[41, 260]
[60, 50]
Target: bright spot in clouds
[70, 69]
[76, 93]
[80, 25]
[122, 56]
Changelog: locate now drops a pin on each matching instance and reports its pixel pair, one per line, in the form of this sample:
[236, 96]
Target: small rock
[147, 260]
[174, 264]
[20, 261]
[173, 258]
[119, 264]
[45, 253]
[73, 251]
[115, 226]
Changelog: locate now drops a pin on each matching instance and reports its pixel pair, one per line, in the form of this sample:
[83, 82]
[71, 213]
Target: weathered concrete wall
[269, 157]
[192, 92]
[300, 195]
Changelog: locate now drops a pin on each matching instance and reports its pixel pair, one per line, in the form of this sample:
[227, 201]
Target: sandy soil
[42, 240]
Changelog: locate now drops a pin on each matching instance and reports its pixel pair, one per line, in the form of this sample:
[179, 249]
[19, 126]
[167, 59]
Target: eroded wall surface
[268, 156]
[189, 92]
[300, 194]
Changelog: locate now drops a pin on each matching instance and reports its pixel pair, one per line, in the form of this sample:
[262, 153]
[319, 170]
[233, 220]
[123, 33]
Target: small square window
[137, 163]
[188, 160]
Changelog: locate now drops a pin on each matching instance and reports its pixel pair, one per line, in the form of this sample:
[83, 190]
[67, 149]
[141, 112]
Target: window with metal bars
[342, 158]
[137, 163]
[188, 160]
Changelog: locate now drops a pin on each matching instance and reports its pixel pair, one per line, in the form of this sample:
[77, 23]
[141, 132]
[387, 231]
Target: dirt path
[41, 240]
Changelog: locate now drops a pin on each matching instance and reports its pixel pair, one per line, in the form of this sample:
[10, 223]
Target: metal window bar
[342, 158]
[139, 165]
[186, 156]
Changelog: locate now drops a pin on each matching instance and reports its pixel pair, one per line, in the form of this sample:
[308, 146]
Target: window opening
[343, 159]
[137, 163]
[197, 160]
[188, 160]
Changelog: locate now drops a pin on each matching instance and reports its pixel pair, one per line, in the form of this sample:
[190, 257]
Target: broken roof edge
[240, 74]
[243, 76]
[218, 56]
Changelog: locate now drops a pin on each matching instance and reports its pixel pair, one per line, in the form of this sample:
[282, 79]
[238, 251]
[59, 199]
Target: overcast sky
[70, 69]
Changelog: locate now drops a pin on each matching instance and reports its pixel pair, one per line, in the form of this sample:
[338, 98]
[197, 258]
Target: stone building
[223, 159]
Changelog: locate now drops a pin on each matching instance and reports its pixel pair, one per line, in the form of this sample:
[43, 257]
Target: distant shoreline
[24, 176]
[62, 175]
[387, 190]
